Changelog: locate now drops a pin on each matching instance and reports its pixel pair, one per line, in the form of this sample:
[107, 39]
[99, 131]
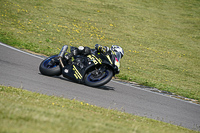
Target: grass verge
[160, 38]
[25, 111]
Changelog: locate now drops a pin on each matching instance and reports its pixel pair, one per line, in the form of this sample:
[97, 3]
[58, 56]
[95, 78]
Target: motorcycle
[93, 67]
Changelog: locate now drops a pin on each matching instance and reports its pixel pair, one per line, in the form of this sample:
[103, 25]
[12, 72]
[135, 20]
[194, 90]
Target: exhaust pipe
[62, 53]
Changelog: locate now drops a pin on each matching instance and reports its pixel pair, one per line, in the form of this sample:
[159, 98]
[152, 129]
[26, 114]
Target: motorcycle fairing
[73, 72]
[102, 59]
[77, 70]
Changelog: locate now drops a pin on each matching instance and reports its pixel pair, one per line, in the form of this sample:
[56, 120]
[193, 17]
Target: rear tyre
[50, 66]
[98, 79]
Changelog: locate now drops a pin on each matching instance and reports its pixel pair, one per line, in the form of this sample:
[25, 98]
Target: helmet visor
[118, 55]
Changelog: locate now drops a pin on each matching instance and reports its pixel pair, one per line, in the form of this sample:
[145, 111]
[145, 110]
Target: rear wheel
[97, 78]
[50, 66]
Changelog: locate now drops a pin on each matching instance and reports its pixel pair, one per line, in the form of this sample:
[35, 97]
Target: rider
[116, 51]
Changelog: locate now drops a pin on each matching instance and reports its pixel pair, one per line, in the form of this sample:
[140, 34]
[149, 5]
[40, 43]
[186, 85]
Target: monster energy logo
[77, 74]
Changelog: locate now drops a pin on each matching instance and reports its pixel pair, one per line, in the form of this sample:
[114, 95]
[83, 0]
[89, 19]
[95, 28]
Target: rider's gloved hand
[102, 49]
[97, 47]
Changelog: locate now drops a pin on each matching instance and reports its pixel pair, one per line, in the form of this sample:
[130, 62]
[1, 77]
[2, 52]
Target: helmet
[116, 48]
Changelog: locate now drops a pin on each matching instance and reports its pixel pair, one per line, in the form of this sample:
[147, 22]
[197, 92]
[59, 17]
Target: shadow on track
[107, 88]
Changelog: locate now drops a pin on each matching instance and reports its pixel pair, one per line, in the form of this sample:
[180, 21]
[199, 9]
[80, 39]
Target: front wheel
[97, 78]
[50, 66]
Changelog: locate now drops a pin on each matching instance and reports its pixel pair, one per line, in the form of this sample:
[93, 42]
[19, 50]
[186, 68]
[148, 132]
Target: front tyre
[50, 66]
[96, 79]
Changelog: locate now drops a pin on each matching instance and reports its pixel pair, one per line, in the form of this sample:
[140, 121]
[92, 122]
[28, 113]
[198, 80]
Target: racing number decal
[77, 74]
[95, 59]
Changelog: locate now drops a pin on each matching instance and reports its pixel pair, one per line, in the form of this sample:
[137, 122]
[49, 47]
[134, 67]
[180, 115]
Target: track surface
[20, 69]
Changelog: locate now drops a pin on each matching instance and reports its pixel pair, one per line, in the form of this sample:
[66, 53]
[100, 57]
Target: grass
[160, 38]
[25, 111]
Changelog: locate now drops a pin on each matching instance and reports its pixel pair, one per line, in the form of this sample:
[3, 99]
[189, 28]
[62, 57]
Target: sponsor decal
[77, 74]
[95, 59]
[109, 59]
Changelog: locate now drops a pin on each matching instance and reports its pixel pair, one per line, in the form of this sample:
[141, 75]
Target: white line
[20, 51]
[162, 94]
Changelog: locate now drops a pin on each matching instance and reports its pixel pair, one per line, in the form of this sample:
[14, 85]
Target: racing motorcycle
[93, 67]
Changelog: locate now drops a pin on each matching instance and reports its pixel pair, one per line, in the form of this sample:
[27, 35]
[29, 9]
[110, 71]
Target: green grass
[160, 38]
[28, 112]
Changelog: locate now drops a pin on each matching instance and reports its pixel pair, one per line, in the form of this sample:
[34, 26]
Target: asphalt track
[20, 69]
